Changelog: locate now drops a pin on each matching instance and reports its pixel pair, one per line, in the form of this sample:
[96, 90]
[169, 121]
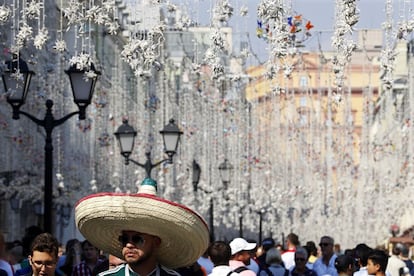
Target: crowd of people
[141, 234]
[46, 257]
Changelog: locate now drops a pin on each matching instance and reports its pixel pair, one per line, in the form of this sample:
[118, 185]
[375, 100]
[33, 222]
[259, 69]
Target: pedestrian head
[273, 256]
[240, 250]
[344, 264]
[327, 246]
[377, 262]
[301, 257]
[219, 253]
[44, 255]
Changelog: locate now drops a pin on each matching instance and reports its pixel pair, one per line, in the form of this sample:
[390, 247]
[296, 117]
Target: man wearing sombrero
[151, 234]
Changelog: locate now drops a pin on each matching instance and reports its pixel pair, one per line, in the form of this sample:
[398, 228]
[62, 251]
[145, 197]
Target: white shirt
[361, 272]
[394, 265]
[364, 272]
[288, 259]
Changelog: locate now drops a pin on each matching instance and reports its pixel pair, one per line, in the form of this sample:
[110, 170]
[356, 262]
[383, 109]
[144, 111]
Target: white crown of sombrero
[102, 217]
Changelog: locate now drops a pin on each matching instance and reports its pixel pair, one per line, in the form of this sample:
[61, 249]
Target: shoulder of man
[24, 271]
[268, 271]
[243, 270]
[119, 270]
[240, 269]
[232, 273]
[168, 271]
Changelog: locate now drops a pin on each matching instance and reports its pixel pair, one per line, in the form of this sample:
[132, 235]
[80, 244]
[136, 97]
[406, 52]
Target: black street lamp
[260, 213]
[225, 169]
[126, 138]
[241, 223]
[16, 80]
[196, 175]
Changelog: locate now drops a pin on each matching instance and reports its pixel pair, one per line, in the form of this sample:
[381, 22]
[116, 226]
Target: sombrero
[102, 217]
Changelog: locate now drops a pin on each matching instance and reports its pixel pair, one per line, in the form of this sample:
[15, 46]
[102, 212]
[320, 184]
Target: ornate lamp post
[196, 175]
[16, 80]
[126, 138]
[261, 213]
[225, 169]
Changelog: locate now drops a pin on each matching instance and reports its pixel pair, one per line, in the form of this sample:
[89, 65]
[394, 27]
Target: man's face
[90, 252]
[326, 247]
[244, 256]
[300, 260]
[372, 268]
[138, 247]
[43, 263]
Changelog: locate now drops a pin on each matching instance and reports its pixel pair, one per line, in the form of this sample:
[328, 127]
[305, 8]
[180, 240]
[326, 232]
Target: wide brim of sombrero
[102, 217]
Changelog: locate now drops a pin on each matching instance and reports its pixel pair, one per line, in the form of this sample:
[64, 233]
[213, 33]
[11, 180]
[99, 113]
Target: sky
[320, 12]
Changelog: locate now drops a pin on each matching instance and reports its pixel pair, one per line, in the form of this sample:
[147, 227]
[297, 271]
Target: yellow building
[311, 85]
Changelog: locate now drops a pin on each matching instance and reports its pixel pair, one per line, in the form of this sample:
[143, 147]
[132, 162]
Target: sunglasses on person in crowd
[135, 239]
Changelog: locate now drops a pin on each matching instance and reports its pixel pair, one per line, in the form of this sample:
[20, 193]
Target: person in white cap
[153, 235]
[240, 256]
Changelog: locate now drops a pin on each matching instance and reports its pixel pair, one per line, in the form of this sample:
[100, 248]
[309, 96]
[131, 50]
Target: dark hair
[311, 248]
[268, 243]
[343, 262]
[362, 252]
[71, 252]
[405, 251]
[87, 243]
[294, 239]
[219, 253]
[380, 258]
[45, 242]
[396, 250]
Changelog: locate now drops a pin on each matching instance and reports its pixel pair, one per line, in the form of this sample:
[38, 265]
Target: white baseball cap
[240, 244]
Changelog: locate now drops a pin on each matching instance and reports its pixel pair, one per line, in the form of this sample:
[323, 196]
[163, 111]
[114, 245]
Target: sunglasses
[300, 259]
[39, 264]
[136, 239]
[325, 244]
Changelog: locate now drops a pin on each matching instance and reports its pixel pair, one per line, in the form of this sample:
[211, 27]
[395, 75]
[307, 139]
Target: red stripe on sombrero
[143, 196]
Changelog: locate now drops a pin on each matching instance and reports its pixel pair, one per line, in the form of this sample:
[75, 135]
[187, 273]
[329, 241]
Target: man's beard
[141, 260]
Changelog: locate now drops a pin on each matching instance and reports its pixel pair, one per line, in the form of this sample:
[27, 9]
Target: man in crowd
[325, 264]
[240, 256]
[394, 262]
[377, 263]
[361, 252]
[220, 254]
[90, 260]
[288, 256]
[153, 235]
[43, 255]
